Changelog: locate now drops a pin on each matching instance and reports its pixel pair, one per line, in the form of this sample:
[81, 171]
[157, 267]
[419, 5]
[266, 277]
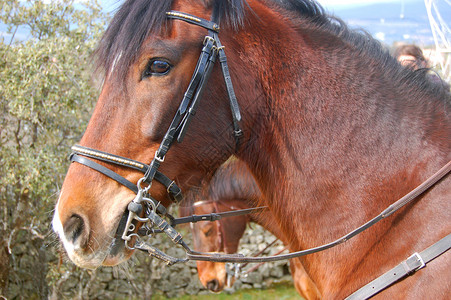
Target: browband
[193, 20]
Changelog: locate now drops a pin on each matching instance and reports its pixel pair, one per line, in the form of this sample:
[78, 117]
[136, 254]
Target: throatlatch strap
[236, 114]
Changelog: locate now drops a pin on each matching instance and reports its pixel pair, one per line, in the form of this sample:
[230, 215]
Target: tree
[46, 97]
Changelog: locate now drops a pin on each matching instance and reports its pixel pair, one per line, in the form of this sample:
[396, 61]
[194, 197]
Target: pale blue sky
[111, 5]
[335, 3]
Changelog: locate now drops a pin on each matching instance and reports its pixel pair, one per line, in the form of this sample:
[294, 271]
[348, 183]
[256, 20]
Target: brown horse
[232, 188]
[335, 130]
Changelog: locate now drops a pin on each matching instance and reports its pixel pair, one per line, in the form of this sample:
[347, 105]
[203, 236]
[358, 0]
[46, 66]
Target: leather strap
[105, 171]
[218, 257]
[213, 33]
[209, 53]
[215, 216]
[414, 263]
[181, 119]
[193, 20]
[199, 72]
[235, 108]
[174, 191]
[116, 177]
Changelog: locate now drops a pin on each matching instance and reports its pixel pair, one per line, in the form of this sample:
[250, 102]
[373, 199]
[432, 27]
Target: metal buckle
[170, 186]
[418, 259]
[158, 158]
[238, 133]
[207, 37]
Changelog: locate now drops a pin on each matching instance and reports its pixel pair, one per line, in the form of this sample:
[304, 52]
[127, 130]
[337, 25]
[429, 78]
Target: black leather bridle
[143, 202]
[155, 214]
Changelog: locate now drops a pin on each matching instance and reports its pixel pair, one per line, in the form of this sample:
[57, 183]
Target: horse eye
[157, 67]
[207, 231]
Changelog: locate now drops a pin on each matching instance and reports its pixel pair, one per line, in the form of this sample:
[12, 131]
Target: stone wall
[42, 273]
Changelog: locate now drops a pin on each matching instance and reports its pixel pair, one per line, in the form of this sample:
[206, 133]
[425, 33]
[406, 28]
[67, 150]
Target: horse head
[220, 236]
[148, 59]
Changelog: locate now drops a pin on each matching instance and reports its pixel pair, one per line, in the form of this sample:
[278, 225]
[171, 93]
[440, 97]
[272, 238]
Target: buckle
[207, 37]
[170, 186]
[416, 263]
[238, 133]
[158, 158]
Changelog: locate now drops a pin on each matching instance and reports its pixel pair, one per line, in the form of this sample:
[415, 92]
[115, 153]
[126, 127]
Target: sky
[111, 5]
[337, 3]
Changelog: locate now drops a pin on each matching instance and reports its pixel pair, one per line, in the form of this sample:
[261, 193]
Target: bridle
[222, 242]
[211, 50]
[233, 270]
[143, 208]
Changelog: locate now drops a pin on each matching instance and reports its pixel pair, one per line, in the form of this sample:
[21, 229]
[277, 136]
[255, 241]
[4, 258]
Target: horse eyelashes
[157, 67]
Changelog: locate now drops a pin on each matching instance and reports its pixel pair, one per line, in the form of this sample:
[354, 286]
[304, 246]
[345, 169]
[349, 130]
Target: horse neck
[341, 133]
[342, 108]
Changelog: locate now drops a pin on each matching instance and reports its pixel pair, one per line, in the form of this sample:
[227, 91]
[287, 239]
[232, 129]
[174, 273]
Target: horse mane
[138, 19]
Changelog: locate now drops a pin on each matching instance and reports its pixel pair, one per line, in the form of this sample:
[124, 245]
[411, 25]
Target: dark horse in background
[335, 130]
[232, 188]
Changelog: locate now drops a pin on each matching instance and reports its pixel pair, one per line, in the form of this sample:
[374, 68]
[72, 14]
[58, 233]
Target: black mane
[130, 26]
[138, 19]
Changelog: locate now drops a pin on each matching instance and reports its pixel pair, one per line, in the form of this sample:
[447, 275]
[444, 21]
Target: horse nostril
[213, 285]
[74, 229]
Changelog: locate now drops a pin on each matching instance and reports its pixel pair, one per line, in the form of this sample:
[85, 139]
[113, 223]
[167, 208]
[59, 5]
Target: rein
[216, 257]
[143, 208]
[234, 269]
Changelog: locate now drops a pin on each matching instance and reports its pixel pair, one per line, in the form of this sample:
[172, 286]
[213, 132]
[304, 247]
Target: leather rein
[156, 219]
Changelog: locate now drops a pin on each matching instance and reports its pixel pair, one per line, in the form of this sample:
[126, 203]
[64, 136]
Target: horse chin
[118, 253]
[91, 261]
[213, 276]
[114, 260]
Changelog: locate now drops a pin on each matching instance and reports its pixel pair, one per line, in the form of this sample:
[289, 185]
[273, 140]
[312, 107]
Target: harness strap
[193, 20]
[215, 216]
[174, 191]
[116, 177]
[105, 171]
[218, 257]
[414, 263]
[218, 50]
[254, 268]
[209, 54]
[235, 108]
[181, 119]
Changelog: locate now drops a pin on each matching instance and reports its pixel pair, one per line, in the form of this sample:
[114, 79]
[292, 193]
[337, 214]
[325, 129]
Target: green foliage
[46, 98]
